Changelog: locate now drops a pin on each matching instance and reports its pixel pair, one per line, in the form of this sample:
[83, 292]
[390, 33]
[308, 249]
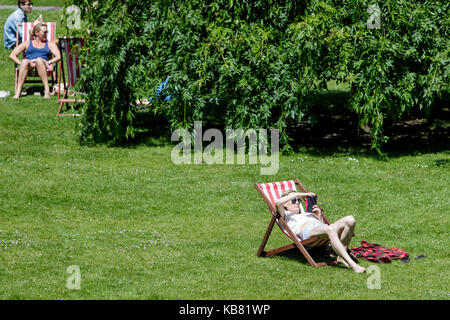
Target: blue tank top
[34, 53]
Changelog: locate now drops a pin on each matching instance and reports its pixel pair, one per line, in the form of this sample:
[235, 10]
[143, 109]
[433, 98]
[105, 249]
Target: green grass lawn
[140, 227]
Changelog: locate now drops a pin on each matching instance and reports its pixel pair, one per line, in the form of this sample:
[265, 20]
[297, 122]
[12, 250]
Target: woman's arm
[281, 209]
[280, 202]
[54, 49]
[293, 195]
[317, 212]
[17, 50]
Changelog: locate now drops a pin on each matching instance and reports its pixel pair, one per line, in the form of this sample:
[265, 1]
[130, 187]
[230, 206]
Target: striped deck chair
[270, 192]
[25, 28]
[69, 48]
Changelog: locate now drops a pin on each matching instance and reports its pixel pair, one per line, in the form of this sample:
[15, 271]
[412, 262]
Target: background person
[20, 15]
[37, 53]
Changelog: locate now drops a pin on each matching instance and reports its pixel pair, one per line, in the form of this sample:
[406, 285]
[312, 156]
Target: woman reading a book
[309, 224]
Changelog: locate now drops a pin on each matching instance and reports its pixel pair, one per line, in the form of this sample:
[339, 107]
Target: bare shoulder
[24, 44]
[53, 47]
[52, 44]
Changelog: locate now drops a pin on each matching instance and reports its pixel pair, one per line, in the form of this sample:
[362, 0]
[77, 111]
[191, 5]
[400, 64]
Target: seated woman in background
[37, 54]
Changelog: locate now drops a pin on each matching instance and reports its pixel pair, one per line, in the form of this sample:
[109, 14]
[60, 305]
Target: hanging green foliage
[260, 61]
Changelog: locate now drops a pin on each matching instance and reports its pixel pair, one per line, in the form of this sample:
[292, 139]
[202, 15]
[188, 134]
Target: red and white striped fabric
[27, 27]
[273, 192]
[68, 44]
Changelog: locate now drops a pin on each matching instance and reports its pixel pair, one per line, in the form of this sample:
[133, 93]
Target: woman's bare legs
[340, 234]
[23, 72]
[345, 228]
[41, 68]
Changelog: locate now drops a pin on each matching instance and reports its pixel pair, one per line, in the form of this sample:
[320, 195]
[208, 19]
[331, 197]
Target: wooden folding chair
[272, 191]
[69, 48]
[25, 29]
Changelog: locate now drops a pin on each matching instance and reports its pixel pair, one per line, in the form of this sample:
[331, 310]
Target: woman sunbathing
[37, 53]
[307, 225]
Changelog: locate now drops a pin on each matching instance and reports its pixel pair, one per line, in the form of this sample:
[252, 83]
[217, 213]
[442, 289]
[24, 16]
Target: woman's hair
[19, 2]
[37, 27]
[287, 192]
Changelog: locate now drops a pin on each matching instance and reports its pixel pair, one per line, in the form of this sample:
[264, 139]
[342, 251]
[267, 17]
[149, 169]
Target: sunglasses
[299, 200]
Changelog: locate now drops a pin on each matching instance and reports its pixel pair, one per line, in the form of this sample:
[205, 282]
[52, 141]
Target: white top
[296, 221]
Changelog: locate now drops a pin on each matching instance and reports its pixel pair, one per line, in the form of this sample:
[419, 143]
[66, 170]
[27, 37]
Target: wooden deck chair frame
[25, 29]
[73, 69]
[298, 243]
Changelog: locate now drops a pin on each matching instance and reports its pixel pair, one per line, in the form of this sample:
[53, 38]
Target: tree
[261, 61]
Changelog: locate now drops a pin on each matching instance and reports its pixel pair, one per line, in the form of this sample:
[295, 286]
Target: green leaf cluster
[260, 61]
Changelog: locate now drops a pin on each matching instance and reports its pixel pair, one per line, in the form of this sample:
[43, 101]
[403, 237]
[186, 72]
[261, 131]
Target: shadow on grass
[151, 130]
[318, 254]
[331, 129]
[154, 130]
